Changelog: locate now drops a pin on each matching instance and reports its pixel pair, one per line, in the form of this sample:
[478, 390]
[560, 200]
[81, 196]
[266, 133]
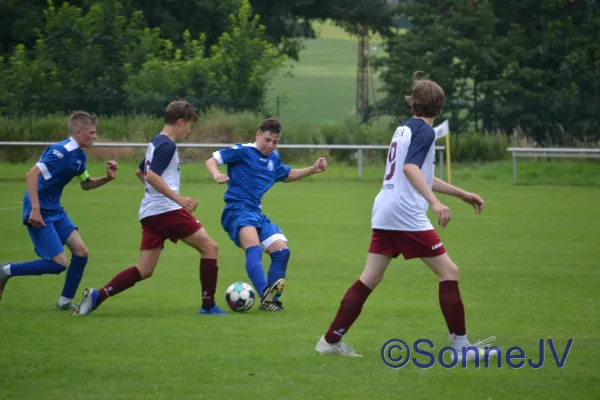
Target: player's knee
[282, 255]
[371, 281]
[449, 273]
[62, 260]
[145, 273]
[210, 249]
[82, 251]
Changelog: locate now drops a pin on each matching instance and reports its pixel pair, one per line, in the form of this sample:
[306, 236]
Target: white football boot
[336, 348]
[474, 351]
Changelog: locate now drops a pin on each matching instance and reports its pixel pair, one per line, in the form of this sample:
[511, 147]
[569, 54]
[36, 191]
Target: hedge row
[216, 126]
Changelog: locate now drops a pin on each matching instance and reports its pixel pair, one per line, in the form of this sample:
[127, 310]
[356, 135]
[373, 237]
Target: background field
[323, 85]
[528, 271]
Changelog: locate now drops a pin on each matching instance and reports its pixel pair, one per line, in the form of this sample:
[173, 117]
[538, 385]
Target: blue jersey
[251, 174]
[59, 164]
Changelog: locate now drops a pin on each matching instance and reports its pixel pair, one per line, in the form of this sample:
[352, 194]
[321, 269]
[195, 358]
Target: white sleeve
[45, 173]
[217, 156]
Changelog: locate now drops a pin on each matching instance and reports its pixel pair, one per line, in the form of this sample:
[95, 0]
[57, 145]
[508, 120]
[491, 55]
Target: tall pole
[362, 73]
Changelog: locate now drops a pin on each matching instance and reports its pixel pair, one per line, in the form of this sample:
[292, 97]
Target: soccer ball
[240, 297]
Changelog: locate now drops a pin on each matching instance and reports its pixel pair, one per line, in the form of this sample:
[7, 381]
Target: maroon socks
[349, 310]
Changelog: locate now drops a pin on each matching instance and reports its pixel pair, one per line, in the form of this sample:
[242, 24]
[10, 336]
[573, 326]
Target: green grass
[323, 86]
[553, 172]
[528, 271]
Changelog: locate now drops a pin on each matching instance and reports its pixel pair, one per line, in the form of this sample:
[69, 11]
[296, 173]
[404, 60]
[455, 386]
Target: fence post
[441, 162]
[514, 162]
[360, 163]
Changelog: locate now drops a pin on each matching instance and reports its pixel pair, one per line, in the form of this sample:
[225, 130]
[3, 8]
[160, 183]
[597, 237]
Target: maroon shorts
[409, 244]
[172, 225]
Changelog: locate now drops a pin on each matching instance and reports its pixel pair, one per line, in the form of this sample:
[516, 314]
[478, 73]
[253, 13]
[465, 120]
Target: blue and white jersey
[162, 159]
[399, 206]
[59, 164]
[251, 174]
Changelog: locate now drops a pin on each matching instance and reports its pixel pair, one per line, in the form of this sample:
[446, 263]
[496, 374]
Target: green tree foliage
[242, 63]
[375, 16]
[287, 23]
[453, 42]
[110, 62]
[77, 59]
[551, 85]
[520, 64]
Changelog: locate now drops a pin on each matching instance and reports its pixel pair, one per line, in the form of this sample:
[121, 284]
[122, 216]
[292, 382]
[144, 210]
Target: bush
[217, 126]
[478, 147]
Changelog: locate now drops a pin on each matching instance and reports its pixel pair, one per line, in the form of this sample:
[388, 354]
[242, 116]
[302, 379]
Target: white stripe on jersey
[154, 202]
[399, 206]
[45, 173]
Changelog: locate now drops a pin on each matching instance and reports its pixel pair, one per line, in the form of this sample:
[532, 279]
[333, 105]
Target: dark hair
[427, 98]
[180, 109]
[80, 118]
[270, 125]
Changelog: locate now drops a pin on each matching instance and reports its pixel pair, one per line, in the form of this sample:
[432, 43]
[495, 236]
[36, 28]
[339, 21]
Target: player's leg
[151, 246]
[249, 242]
[280, 256]
[452, 307]
[383, 247]
[68, 233]
[352, 304]
[124, 280]
[209, 269]
[241, 226]
[48, 247]
[275, 243]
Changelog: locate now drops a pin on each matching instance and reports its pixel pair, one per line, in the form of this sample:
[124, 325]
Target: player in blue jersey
[49, 225]
[252, 169]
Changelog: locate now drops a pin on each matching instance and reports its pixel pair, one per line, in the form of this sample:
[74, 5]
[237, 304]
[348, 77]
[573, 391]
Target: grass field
[323, 86]
[529, 270]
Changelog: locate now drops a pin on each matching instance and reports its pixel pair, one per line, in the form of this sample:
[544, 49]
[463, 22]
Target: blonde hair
[79, 119]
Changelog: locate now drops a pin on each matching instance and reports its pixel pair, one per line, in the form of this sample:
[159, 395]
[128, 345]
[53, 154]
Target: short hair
[270, 125]
[80, 118]
[427, 98]
[180, 109]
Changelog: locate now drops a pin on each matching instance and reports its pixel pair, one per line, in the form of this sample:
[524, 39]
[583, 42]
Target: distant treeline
[531, 66]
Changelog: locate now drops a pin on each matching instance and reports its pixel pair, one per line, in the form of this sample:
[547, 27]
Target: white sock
[459, 341]
[63, 300]
[6, 269]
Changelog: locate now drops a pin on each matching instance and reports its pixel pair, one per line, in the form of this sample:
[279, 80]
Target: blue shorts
[236, 217]
[49, 240]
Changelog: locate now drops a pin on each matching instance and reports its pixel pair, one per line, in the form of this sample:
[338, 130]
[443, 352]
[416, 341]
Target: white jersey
[399, 206]
[162, 159]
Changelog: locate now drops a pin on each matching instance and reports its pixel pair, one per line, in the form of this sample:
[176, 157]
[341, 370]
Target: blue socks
[255, 270]
[279, 262]
[74, 276]
[256, 273]
[37, 267]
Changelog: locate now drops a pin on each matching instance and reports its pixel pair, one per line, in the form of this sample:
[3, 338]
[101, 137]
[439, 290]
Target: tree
[242, 63]
[551, 85]
[77, 61]
[504, 65]
[234, 77]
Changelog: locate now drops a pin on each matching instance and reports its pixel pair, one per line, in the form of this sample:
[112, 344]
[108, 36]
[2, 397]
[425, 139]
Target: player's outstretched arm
[213, 168]
[297, 174]
[94, 183]
[417, 180]
[159, 184]
[470, 198]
